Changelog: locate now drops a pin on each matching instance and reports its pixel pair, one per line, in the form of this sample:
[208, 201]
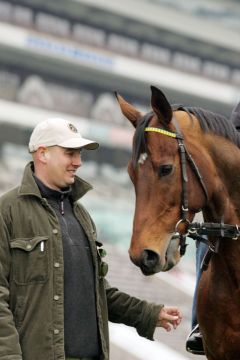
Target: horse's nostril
[149, 259]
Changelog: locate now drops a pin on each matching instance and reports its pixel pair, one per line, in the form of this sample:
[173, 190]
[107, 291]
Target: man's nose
[77, 161]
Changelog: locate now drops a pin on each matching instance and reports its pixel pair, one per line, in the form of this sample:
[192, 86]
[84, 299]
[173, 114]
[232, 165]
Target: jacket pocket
[29, 260]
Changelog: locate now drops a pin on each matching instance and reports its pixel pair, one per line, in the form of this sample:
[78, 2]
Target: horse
[185, 160]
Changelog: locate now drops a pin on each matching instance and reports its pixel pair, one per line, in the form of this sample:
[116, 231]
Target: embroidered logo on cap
[72, 128]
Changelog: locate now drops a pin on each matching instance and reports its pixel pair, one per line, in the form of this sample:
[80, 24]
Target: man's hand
[169, 317]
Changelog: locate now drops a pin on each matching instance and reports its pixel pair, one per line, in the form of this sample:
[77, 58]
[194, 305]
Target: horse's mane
[212, 122]
[209, 122]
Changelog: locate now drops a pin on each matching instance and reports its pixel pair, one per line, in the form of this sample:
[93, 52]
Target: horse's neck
[224, 263]
[224, 206]
[225, 198]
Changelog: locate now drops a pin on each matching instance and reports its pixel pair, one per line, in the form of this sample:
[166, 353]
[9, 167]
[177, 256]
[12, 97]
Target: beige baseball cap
[61, 132]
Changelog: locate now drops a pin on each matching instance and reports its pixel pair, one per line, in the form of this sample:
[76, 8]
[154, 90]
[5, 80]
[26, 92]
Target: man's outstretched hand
[169, 317]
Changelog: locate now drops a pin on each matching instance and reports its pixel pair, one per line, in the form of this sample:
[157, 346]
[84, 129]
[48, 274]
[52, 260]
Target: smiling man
[54, 300]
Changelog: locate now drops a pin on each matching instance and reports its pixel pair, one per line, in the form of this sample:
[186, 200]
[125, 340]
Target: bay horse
[186, 160]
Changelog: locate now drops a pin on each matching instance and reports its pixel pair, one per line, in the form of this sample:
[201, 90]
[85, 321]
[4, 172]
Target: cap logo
[72, 128]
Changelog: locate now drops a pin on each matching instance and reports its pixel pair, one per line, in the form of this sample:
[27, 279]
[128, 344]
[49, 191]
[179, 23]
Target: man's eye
[164, 170]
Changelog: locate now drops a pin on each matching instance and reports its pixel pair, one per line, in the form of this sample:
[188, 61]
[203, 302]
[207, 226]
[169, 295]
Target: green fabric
[85, 358]
[31, 275]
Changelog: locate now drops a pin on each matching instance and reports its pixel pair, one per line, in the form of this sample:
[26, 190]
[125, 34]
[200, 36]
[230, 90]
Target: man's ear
[42, 154]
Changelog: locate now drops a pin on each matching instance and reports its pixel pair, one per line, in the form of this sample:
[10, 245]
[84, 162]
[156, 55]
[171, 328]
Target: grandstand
[67, 57]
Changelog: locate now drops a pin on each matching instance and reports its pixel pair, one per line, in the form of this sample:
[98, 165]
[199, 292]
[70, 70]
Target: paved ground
[174, 288]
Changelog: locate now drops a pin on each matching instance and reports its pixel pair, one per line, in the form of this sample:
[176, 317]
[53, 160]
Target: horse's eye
[164, 170]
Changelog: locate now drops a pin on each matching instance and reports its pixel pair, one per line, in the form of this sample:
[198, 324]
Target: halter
[184, 157]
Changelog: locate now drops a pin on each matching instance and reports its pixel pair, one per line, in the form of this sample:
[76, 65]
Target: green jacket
[31, 278]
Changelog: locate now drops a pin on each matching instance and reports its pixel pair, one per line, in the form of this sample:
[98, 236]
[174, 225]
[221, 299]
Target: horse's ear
[161, 106]
[128, 110]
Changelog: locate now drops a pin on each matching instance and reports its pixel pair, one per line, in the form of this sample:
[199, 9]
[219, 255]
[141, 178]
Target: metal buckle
[180, 222]
[237, 233]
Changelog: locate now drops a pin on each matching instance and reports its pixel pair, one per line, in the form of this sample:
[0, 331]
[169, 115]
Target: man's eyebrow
[73, 149]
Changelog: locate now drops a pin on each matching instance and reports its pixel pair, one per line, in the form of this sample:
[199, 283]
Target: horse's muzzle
[149, 262]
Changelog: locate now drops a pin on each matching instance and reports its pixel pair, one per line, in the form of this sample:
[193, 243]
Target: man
[194, 343]
[54, 300]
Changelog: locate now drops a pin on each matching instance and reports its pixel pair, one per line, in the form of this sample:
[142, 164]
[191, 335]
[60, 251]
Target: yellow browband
[161, 131]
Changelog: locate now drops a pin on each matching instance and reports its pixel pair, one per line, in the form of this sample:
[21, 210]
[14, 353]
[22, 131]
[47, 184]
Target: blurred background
[66, 58]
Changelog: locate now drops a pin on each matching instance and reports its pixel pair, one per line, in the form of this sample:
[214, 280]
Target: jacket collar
[49, 193]
[29, 187]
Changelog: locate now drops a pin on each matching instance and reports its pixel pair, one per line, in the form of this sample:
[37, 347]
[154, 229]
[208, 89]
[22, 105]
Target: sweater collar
[49, 193]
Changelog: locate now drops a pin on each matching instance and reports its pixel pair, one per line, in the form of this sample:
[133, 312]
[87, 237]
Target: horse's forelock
[139, 141]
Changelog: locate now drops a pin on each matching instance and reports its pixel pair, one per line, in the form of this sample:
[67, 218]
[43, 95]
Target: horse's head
[157, 175]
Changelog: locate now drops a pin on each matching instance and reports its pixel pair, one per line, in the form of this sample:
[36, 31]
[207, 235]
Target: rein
[197, 231]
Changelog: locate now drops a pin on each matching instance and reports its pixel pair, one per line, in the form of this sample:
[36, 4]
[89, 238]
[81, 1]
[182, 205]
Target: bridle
[197, 231]
[184, 158]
